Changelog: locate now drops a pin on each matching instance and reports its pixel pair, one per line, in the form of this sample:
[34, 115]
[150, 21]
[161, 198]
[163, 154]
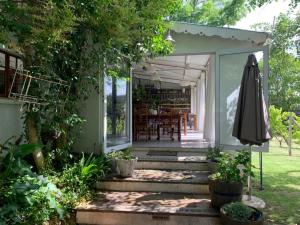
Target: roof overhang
[259, 38]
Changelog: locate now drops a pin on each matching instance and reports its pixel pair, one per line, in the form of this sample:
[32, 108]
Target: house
[204, 72]
[10, 115]
[207, 63]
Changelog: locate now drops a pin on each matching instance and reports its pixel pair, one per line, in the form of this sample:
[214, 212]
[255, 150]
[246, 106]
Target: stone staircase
[168, 188]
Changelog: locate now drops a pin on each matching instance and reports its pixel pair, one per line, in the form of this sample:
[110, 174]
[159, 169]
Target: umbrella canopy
[251, 124]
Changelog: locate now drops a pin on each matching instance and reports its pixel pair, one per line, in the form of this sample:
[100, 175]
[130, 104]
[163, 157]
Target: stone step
[179, 149]
[172, 165]
[179, 181]
[147, 208]
[169, 156]
[191, 163]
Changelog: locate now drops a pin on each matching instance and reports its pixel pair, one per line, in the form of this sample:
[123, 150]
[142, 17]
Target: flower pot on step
[222, 192]
[126, 167]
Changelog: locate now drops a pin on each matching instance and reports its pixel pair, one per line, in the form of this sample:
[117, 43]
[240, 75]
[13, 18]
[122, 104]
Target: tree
[260, 3]
[284, 78]
[211, 12]
[278, 121]
[76, 41]
[217, 12]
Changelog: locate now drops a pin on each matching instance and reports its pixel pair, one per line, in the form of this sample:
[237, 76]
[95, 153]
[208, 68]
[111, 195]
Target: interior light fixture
[169, 37]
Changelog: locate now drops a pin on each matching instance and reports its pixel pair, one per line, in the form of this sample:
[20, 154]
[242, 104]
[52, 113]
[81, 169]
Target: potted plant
[124, 162]
[226, 185]
[238, 213]
[213, 156]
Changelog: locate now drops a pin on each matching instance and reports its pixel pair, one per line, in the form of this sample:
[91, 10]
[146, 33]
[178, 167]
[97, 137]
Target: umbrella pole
[249, 175]
[261, 170]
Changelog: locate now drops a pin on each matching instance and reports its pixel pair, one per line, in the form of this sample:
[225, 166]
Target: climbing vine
[75, 40]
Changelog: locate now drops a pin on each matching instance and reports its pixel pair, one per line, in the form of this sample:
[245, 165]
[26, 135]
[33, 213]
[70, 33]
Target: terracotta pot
[224, 192]
[126, 167]
[227, 220]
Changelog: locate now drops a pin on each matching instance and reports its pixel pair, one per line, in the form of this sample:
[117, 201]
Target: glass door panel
[117, 96]
[231, 66]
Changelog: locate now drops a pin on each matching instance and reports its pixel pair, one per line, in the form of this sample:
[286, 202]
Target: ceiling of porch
[182, 69]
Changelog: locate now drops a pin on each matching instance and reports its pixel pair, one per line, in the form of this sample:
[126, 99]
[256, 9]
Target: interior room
[173, 102]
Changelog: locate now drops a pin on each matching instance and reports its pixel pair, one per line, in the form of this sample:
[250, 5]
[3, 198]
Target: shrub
[25, 197]
[29, 198]
[78, 178]
[214, 154]
[125, 154]
[233, 168]
[241, 212]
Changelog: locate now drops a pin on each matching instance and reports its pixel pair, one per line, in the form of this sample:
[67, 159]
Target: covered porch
[170, 100]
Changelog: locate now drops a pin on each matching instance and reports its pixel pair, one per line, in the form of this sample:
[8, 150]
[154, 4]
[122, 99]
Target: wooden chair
[170, 123]
[141, 124]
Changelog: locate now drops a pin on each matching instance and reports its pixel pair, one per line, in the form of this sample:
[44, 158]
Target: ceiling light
[169, 37]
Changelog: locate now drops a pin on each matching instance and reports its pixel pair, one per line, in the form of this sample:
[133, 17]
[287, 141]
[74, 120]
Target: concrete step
[147, 208]
[179, 181]
[179, 149]
[175, 164]
[168, 158]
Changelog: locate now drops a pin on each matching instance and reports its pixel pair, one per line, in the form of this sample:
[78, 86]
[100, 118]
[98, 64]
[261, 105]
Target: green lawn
[281, 184]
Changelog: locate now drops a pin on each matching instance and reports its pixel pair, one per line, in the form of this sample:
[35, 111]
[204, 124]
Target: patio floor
[193, 139]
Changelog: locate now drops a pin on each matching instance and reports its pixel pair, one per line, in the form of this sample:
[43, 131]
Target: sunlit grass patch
[281, 184]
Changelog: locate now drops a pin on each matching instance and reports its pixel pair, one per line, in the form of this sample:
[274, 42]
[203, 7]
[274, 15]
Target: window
[9, 62]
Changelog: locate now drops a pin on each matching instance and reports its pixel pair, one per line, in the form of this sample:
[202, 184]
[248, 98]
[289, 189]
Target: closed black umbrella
[251, 124]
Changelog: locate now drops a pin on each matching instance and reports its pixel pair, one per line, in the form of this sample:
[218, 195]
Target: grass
[281, 184]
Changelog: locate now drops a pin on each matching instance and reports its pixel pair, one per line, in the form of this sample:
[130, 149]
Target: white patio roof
[223, 32]
[182, 69]
[187, 69]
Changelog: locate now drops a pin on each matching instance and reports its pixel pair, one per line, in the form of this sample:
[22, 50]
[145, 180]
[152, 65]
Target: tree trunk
[290, 134]
[33, 138]
[280, 143]
[62, 140]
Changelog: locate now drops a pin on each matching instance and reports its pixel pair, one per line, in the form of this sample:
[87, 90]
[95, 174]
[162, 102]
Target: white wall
[89, 138]
[10, 119]
[209, 124]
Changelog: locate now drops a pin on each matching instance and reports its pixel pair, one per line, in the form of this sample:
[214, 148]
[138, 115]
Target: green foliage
[122, 154]
[79, 42]
[213, 154]
[233, 167]
[260, 3]
[296, 129]
[29, 198]
[278, 122]
[211, 12]
[78, 178]
[25, 197]
[284, 78]
[139, 94]
[239, 211]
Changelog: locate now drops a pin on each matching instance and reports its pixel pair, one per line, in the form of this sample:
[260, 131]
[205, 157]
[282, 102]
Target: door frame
[265, 50]
[103, 116]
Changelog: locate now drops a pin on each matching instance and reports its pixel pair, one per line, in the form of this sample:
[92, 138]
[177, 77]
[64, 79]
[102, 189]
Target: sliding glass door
[117, 120]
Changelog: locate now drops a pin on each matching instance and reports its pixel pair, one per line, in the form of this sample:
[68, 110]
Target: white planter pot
[126, 167]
